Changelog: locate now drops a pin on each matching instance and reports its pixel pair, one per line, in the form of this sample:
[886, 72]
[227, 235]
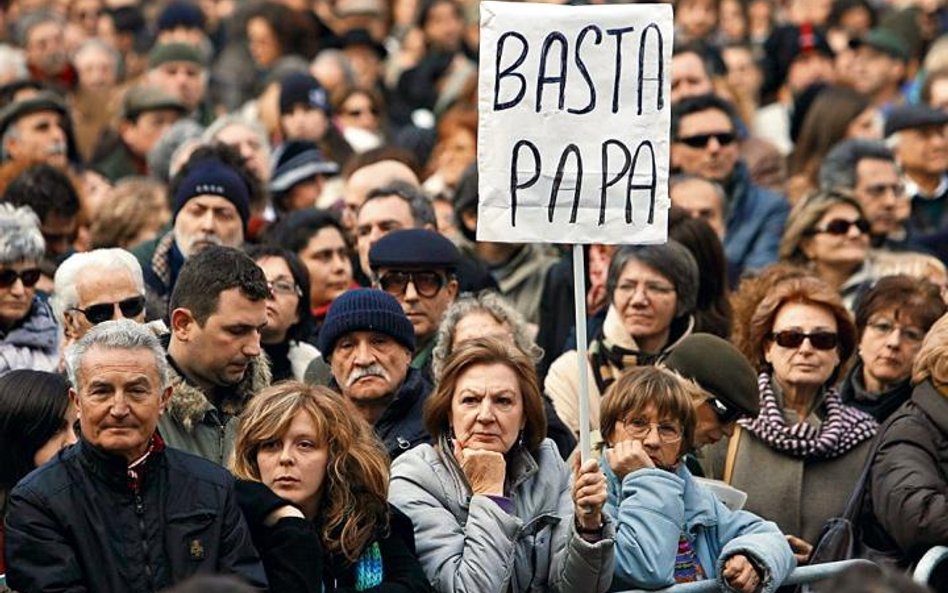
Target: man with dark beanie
[368, 342]
[211, 206]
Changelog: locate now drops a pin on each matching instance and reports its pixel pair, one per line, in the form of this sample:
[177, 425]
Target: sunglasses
[841, 226]
[361, 112]
[29, 277]
[427, 284]
[96, 314]
[725, 413]
[702, 140]
[792, 338]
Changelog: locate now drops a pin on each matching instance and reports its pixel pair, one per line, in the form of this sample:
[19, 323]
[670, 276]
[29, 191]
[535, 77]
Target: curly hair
[354, 507]
[931, 362]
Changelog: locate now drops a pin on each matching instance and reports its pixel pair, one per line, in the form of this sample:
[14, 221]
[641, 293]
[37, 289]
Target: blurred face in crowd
[119, 398]
[733, 20]
[366, 64]
[207, 220]
[455, 153]
[706, 145]
[293, 465]
[866, 126]
[444, 28]
[364, 180]
[59, 232]
[283, 302]
[304, 123]
[922, 151]
[251, 147]
[45, 48]
[377, 218]
[689, 77]
[837, 248]
[305, 194]
[265, 48]
[185, 80]
[743, 73]
[696, 18]
[646, 301]
[881, 192]
[85, 13]
[39, 136]
[809, 68]
[219, 351]
[97, 69]
[326, 257]
[17, 287]
[424, 298]
[359, 111]
[487, 408]
[141, 134]
[369, 366]
[875, 72]
[887, 349]
[804, 367]
[59, 441]
[939, 94]
[113, 291]
[479, 324]
[702, 200]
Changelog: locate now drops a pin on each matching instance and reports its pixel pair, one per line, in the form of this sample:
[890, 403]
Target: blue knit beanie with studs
[365, 309]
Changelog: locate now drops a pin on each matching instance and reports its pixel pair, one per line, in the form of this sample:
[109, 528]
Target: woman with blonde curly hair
[313, 485]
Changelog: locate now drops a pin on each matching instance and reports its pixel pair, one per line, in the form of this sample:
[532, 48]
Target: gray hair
[838, 171]
[97, 261]
[93, 45]
[672, 260]
[422, 211]
[484, 302]
[339, 59]
[20, 236]
[162, 153]
[13, 62]
[117, 334]
[31, 20]
[234, 119]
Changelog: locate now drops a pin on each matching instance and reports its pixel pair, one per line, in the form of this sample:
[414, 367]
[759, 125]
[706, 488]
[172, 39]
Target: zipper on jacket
[140, 511]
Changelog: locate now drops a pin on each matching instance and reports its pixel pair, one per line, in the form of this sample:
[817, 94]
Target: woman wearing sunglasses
[669, 528]
[799, 460]
[829, 234]
[28, 333]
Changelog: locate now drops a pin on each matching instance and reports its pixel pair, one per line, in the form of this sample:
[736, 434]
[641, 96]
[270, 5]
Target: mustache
[204, 238]
[373, 370]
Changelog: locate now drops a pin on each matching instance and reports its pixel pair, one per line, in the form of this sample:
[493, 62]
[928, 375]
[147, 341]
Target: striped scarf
[842, 429]
[687, 567]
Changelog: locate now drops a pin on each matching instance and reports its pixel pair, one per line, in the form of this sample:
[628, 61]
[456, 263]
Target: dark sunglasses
[792, 338]
[701, 140]
[96, 314]
[725, 413]
[841, 226]
[29, 277]
[427, 284]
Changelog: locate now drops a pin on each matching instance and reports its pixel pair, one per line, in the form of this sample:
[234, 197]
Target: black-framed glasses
[792, 338]
[427, 284]
[29, 277]
[841, 226]
[725, 413]
[702, 140]
[96, 314]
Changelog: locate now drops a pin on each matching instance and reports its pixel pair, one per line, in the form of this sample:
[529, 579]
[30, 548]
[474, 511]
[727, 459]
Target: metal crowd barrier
[929, 562]
[800, 576]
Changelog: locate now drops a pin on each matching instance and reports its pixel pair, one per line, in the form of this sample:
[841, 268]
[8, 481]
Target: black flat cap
[907, 117]
[414, 248]
[719, 368]
[41, 101]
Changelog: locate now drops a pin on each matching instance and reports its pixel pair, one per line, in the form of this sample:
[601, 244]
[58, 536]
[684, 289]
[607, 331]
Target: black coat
[74, 525]
[402, 425]
[853, 394]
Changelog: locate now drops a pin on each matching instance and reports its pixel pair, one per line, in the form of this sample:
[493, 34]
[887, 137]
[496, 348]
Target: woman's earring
[520, 439]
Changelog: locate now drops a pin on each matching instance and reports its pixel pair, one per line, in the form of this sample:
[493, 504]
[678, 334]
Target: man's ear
[452, 287]
[165, 398]
[182, 324]
[69, 326]
[74, 398]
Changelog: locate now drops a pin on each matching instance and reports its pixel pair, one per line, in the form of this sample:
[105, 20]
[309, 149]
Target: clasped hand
[485, 470]
[740, 574]
[627, 456]
[589, 494]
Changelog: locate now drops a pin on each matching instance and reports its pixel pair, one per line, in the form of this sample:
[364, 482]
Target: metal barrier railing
[800, 576]
[928, 563]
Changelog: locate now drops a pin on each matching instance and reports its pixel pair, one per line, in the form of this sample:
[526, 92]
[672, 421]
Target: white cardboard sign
[574, 117]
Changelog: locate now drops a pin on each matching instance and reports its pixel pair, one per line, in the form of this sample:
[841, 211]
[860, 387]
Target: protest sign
[574, 116]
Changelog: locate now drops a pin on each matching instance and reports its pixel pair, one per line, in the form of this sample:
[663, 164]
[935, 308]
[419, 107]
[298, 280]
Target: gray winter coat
[469, 544]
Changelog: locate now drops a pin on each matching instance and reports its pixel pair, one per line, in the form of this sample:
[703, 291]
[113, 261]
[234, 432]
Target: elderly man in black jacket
[120, 512]
[368, 341]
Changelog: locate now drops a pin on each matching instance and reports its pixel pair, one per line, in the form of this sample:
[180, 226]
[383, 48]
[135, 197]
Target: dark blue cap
[365, 309]
[414, 248]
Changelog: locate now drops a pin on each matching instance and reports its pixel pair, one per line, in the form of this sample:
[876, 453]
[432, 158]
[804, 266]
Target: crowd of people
[248, 333]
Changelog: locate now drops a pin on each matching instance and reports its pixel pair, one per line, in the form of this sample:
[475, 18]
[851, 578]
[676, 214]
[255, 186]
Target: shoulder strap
[731, 454]
[854, 504]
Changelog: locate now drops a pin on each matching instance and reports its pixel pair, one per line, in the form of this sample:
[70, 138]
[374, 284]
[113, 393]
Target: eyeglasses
[792, 338]
[427, 284]
[284, 287]
[841, 226]
[884, 328]
[702, 140]
[638, 428]
[29, 277]
[725, 413]
[880, 189]
[96, 314]
[652, 289]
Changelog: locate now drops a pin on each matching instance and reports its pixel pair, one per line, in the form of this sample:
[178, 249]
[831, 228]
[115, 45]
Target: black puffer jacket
[75, 525]
[908, 484]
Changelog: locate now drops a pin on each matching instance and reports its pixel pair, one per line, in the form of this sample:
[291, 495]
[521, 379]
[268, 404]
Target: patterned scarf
[136, 469]
[842, 429]
[687, 567]
[369, 570]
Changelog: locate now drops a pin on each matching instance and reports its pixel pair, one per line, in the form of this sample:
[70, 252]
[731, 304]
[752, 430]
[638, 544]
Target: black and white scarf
[842, 429]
